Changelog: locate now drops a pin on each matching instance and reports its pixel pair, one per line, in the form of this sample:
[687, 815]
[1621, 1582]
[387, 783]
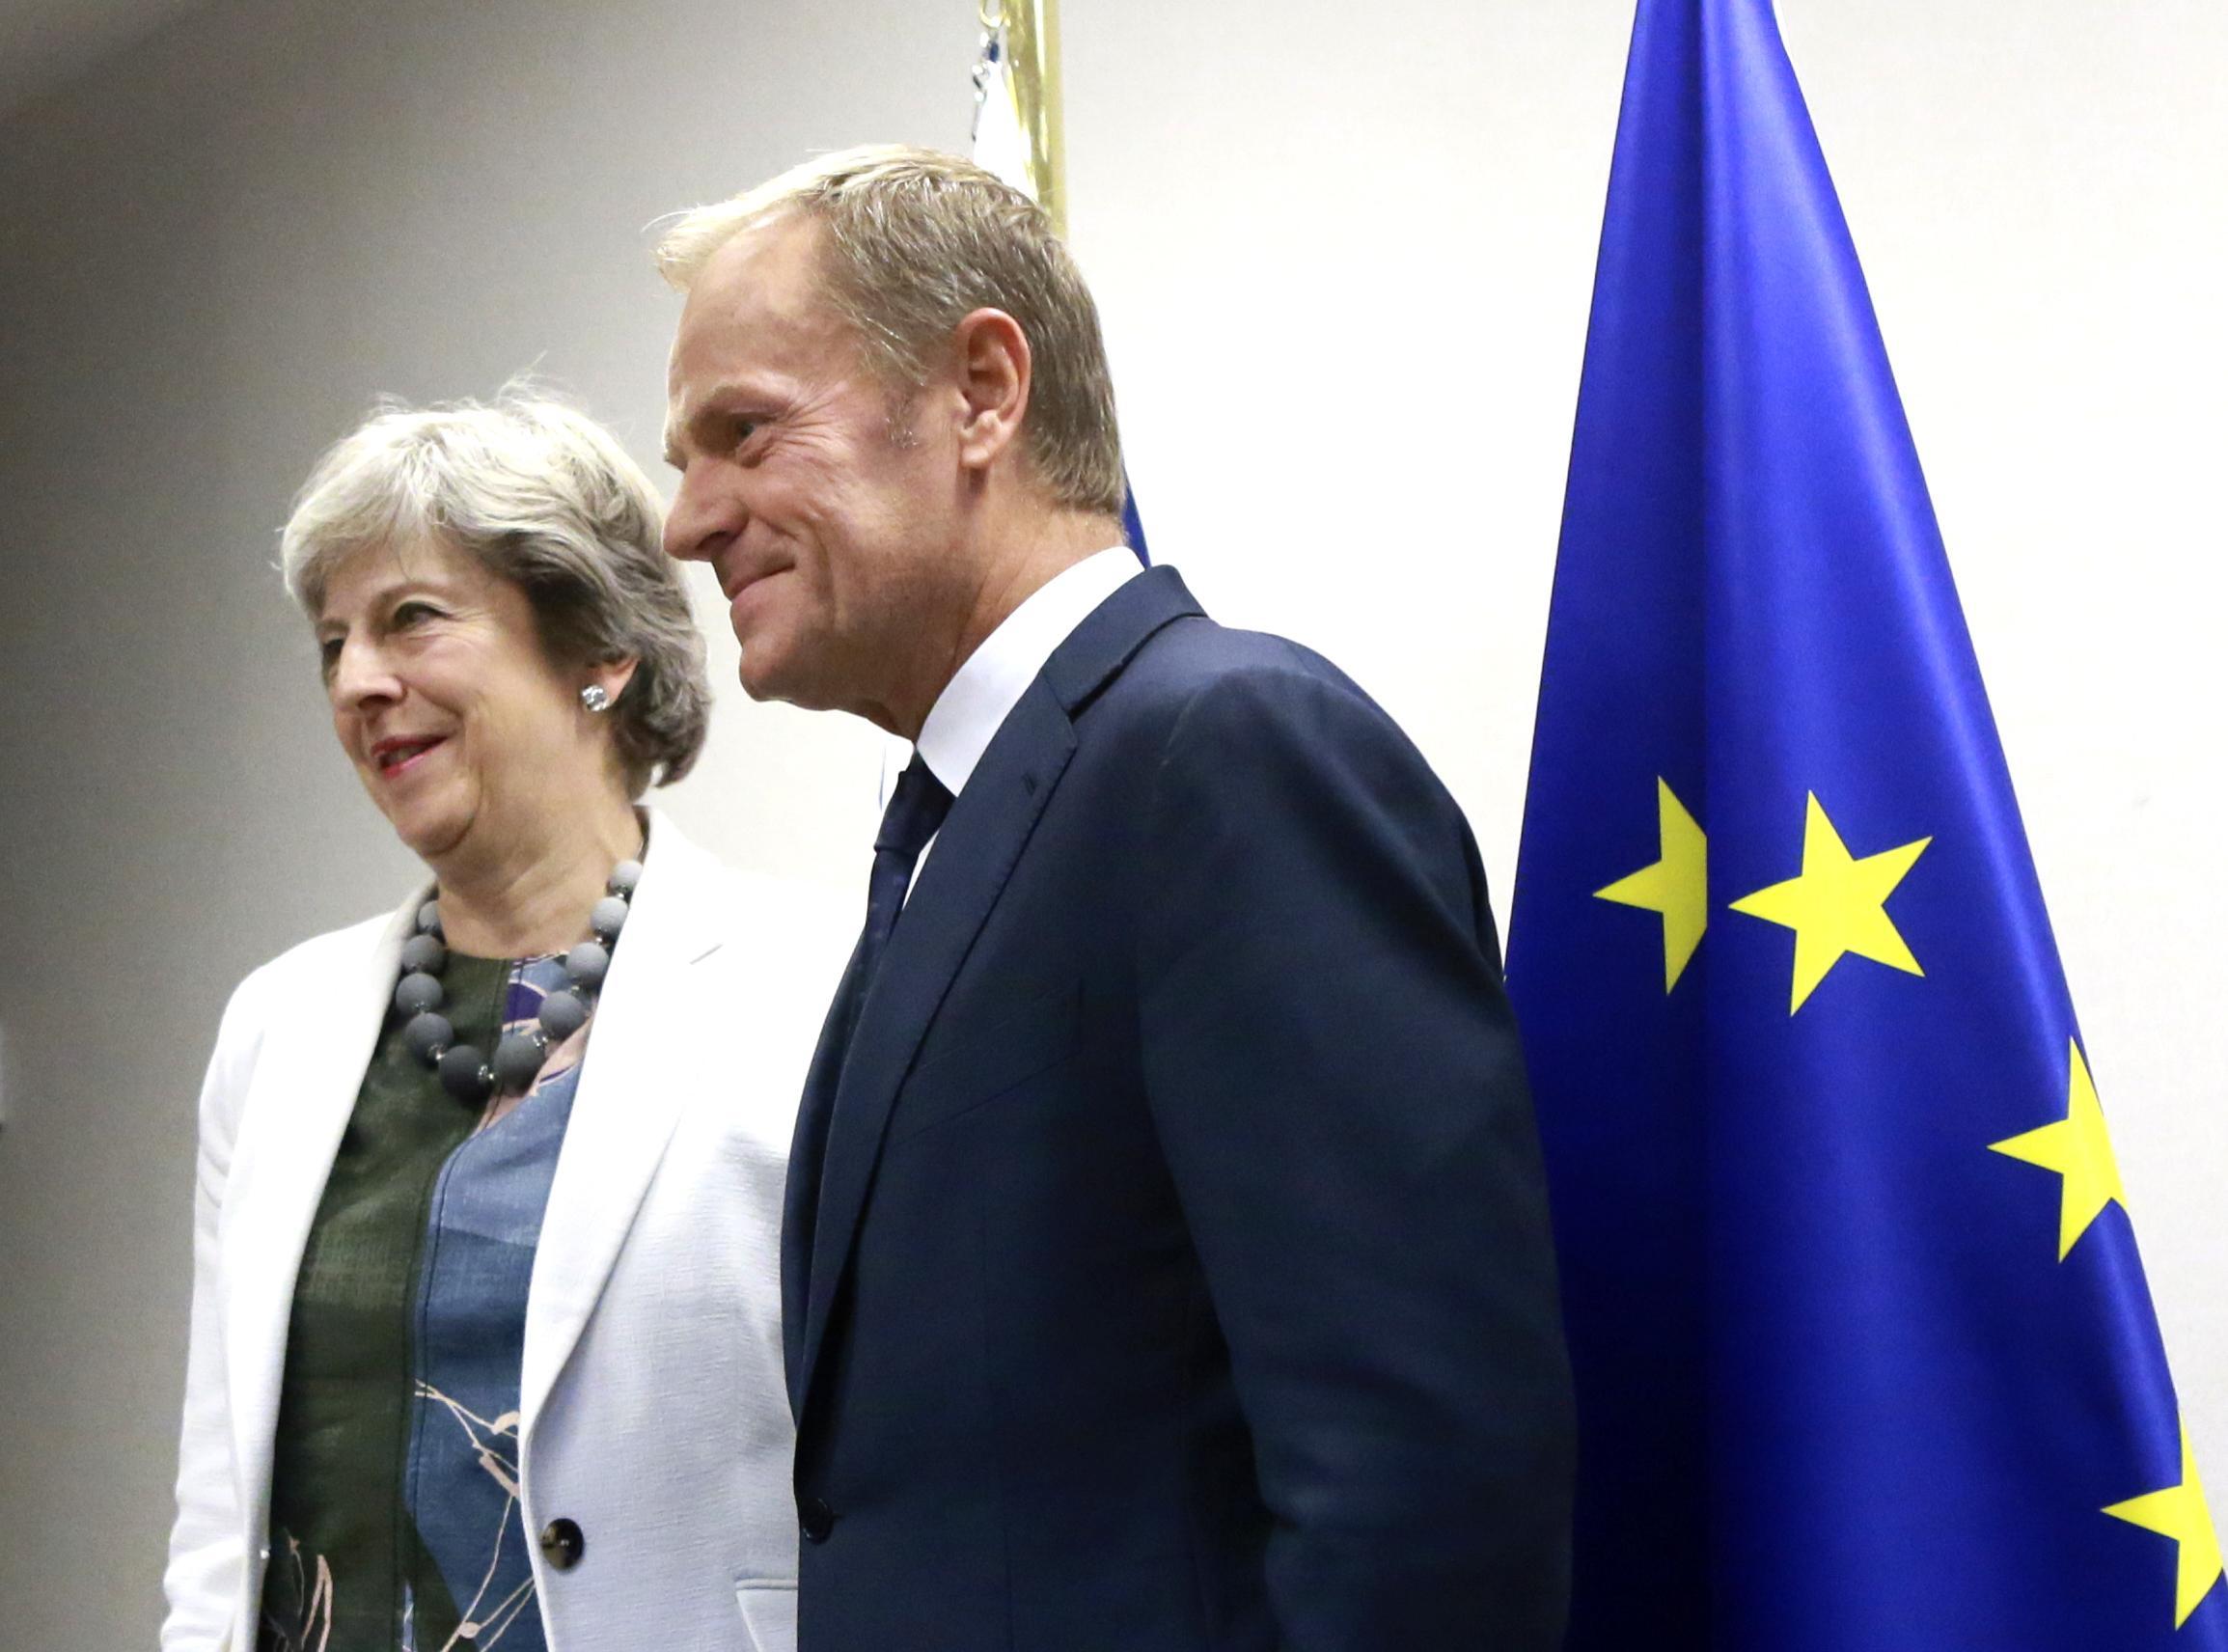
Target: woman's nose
[360, 674]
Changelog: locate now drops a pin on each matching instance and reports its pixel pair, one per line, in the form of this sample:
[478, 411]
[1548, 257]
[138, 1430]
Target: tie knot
[917, 810]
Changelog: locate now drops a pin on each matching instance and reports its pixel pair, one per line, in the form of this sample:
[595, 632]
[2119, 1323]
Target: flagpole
[1032, 32]
[1054, 114]
[1020, 134]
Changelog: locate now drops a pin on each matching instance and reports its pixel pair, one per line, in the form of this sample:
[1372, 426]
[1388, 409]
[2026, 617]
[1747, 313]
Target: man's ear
[991, 357]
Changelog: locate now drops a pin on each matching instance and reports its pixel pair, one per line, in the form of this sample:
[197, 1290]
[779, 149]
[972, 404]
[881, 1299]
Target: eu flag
[1865, 1357]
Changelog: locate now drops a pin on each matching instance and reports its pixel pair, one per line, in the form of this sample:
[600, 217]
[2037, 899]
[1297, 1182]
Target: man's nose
[703, 518]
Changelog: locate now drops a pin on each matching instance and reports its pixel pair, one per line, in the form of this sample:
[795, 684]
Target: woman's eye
[328, 655]
[414, 613]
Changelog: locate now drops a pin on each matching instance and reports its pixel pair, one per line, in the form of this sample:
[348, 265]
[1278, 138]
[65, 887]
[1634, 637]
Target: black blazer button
[563, 1544]
[816, 1519]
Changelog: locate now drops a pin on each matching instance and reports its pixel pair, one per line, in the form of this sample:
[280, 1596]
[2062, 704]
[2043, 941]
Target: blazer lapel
[297, 1108]
[631, 1096]
[975, 852]
[989, 825]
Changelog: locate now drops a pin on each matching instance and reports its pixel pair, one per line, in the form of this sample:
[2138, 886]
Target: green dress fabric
[397, 1414]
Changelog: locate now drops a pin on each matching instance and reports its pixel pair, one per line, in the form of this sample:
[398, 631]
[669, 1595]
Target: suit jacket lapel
[989, 825]
[630, 1097]
[975, 850]
[297, 1108]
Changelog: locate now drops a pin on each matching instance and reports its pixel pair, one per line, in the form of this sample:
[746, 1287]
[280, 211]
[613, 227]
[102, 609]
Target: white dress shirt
[976, 703]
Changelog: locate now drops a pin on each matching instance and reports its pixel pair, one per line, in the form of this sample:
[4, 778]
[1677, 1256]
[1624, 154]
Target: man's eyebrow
[715, 402]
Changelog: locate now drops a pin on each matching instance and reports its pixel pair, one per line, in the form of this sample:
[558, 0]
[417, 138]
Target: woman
[486, 1345]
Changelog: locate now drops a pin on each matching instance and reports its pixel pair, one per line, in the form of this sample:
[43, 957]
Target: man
[1166, 1262]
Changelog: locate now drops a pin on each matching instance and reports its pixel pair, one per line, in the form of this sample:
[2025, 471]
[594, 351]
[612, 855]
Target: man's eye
[744, 431]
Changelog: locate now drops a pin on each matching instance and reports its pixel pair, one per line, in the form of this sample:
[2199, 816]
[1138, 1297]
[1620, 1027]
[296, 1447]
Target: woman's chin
[428, 831]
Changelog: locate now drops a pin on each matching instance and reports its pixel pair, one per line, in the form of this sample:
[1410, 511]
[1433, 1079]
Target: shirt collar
[960, 726]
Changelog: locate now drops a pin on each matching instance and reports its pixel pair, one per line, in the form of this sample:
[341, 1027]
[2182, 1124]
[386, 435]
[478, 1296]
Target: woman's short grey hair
[542, 496]
[916, 241]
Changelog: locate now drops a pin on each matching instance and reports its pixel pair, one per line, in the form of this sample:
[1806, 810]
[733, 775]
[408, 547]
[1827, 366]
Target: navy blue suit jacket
[1182, 1277]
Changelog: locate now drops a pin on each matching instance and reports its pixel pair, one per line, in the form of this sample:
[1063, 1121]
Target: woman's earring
[595, 699]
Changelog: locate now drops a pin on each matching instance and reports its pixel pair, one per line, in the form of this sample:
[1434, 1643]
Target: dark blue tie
[917, 810]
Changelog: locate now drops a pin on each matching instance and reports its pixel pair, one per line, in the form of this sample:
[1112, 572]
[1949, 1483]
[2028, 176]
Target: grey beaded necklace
[468, 1074]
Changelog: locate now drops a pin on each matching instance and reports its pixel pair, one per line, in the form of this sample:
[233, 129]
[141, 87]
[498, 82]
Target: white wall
[1345, 261]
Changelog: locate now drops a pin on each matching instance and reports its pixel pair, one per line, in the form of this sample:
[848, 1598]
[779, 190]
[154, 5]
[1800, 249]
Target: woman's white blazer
[652, 1413]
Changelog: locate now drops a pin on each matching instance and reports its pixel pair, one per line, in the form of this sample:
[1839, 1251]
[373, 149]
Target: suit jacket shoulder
[1194, 678]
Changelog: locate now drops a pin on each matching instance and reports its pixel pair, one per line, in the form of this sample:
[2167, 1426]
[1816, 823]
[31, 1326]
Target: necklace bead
[518, 1058]
[417, 993]
[426, 1034]
[464, 1073]
[563, 1014]
[586, 964]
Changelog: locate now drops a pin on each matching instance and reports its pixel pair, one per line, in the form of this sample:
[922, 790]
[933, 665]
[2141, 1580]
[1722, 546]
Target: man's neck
[1040, 551]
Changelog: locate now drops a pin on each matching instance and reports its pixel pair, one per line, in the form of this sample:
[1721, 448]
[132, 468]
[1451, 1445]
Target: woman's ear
[610, 676]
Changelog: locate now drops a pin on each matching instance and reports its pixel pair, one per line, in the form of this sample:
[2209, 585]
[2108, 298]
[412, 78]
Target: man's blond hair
[914, 242]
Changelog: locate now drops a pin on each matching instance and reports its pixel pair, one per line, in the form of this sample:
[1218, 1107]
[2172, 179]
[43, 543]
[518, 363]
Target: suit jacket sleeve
[1334, 1073]
[207, 1549]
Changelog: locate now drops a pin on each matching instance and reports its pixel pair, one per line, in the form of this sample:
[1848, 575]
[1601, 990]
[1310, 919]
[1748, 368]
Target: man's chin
[815, 677]
[766, 676]
[758, 685]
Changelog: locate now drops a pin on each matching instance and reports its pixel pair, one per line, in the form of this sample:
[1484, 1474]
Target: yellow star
[2179, 1512]
[1676, 886]
[1837, 905]
[2076, 1147]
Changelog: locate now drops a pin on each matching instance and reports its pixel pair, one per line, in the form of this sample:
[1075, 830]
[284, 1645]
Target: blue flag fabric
[1132, 525]
[1864, 1353]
